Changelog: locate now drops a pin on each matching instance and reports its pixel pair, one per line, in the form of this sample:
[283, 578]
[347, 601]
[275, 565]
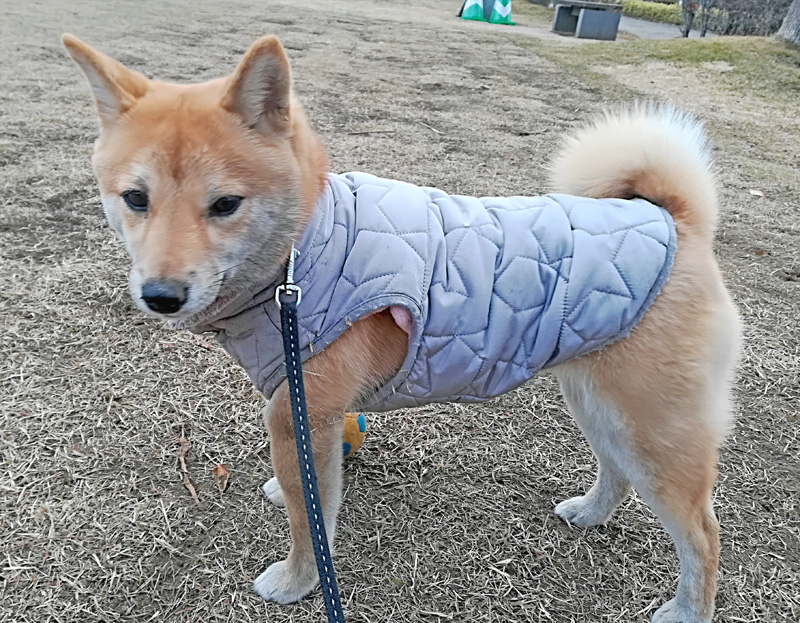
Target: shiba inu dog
[210, 185]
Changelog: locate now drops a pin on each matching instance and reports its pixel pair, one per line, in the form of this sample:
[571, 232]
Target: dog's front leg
[291, 579]
[367, 354]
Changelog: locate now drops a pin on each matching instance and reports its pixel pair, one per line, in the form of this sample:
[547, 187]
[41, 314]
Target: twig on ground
[373, 132]
[184, 471]
[431, 128]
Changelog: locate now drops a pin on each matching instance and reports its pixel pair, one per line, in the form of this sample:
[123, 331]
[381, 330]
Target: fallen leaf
[756, 193]
[221, 477]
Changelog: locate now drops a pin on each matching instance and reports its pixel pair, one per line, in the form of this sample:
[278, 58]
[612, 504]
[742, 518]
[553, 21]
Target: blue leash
[287, 297]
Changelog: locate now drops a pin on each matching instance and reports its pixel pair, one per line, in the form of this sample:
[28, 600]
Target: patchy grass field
[768, 69]
[448, 509]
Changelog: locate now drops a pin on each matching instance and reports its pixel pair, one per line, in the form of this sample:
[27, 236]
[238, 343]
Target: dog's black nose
[164, 297]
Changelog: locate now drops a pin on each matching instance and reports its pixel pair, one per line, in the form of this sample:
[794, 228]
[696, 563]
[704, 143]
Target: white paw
[273, 491]
[582, 511]
[673, 612]
[283, 584]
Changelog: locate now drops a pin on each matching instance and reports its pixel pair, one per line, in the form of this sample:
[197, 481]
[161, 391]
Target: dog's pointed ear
[115, 87]
[260, 89]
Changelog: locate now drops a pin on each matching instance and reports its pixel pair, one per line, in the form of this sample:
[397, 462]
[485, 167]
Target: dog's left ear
[260, 88]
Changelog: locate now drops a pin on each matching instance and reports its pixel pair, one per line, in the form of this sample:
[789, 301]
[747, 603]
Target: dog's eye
[136, 200]
[225, 205]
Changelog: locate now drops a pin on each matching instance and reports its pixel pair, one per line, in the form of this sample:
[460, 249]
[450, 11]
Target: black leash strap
[288, 297]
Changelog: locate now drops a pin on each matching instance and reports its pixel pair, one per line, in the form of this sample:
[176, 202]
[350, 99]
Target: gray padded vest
[496, 288]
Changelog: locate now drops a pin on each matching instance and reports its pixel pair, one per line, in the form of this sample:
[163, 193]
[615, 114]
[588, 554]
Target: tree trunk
[703, 18]
[688, 17]
[791, 24]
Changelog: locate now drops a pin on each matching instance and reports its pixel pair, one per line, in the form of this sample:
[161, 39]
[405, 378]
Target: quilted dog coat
[492, 289]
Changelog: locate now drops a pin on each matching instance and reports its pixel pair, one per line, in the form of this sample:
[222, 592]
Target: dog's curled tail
[655, 152]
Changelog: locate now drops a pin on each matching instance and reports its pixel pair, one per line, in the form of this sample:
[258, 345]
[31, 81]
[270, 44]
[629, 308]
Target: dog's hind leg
[672, 469]
[363, 357]
[655, 409]
[678, 469]
[602, 426]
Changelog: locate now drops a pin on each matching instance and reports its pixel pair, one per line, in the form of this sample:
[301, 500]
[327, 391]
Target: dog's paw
[272, 489]
[583, 512]
[673, 612]
[284, 584]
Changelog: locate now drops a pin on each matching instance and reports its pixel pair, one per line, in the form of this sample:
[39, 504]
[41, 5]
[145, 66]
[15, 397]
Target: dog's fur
[654, 406]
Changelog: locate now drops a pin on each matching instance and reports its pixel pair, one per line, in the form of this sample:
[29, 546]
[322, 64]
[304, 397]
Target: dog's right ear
[115, 87]
[260, 89]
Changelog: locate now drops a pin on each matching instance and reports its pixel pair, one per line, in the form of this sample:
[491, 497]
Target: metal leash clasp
[289, 288]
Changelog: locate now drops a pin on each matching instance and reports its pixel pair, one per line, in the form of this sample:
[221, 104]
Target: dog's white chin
[202, 316]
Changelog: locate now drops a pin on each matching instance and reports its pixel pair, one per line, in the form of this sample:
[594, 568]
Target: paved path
[654, 30]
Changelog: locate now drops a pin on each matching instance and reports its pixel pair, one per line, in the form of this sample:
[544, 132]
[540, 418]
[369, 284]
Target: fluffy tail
[654, 152]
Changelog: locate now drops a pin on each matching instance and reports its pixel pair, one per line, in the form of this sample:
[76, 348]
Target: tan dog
[209, 184]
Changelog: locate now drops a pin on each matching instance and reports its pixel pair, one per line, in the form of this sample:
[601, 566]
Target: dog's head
[207, 184]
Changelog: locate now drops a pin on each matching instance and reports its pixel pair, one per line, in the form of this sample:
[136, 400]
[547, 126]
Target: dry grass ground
[448, 509]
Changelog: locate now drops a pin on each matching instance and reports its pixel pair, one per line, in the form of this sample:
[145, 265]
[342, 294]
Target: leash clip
[289, 289]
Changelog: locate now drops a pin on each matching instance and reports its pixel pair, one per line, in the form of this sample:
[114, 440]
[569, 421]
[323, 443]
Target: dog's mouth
[229, 289]
[202, 315]
[201, 309]
[182, 303]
